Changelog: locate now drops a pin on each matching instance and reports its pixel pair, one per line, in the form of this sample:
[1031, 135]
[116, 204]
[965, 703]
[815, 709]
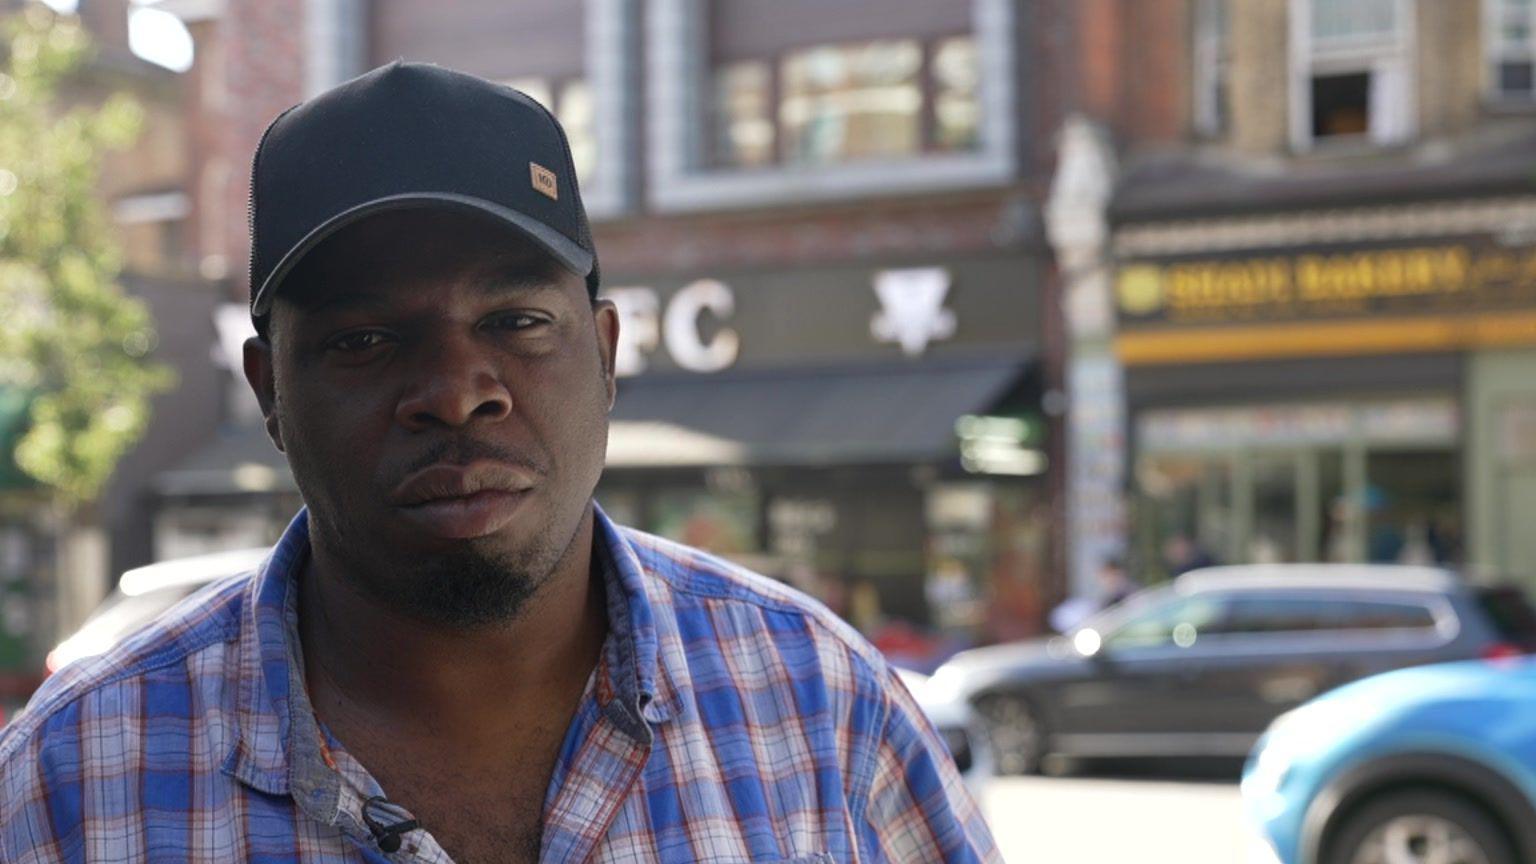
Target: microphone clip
[387, 836]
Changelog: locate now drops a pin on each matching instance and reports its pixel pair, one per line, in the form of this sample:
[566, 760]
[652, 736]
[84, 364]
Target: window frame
[1388, 62]
[1493, 12]
[682, 178]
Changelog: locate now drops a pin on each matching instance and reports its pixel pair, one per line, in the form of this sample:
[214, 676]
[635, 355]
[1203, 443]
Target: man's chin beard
[461, 589]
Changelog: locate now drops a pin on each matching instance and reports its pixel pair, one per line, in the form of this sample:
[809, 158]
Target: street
[1115, 817]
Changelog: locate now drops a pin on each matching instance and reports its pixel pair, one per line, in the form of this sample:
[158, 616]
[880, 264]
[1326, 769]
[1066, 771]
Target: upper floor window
[570, 101]
[1351, 71]
[1510, 44]
[1212, 67]
[749, 107]
[837, 103]
[1355, 23]
[576, 57]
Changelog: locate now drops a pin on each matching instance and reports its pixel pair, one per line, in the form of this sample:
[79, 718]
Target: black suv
[1199, 667]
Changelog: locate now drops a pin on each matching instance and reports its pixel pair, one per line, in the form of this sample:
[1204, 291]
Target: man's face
[441, 388]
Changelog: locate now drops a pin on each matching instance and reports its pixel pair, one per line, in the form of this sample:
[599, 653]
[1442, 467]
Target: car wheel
[1015, 734]
[1420, 827]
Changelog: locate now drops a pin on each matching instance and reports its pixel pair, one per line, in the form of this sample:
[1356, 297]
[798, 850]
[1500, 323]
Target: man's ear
[263, 381]
[605, 319]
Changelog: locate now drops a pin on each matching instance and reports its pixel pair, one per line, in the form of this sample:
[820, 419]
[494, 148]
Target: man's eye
[517, 321]
[356, 342]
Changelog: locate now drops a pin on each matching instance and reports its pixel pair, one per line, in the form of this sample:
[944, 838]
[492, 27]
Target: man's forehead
[374, 261]
[340, 295]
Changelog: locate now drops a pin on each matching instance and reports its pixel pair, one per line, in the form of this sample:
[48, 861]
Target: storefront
[1337, 401]
[870, 434]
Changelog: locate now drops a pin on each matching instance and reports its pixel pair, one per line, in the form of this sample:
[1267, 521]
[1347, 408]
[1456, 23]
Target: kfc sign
[644, 326]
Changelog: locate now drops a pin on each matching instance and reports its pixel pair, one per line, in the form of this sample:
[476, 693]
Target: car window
[1374, 615]
[1510, 612]
[1280, 614]
[1178, 623]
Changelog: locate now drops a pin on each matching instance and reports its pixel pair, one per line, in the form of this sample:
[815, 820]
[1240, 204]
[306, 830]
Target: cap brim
[570, 255]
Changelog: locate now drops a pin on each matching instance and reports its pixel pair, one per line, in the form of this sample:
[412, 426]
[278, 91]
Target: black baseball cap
[411, 135]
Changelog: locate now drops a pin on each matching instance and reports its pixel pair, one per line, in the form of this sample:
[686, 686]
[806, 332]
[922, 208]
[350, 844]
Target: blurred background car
[1199, 667]
[1430, 764]
[142, 595]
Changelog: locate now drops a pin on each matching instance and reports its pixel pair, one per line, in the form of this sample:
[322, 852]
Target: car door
[1282, 648]
[1142, 686]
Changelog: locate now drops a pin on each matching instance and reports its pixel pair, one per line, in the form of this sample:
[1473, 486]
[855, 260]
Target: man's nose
[455, 383]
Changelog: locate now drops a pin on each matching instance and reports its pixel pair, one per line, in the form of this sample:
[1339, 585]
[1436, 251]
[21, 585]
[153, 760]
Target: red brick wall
[1155, 99]
[1125, 63]
[788, 238]
[260, 73]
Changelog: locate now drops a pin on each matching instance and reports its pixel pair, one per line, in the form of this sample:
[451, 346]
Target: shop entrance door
[1276, 500]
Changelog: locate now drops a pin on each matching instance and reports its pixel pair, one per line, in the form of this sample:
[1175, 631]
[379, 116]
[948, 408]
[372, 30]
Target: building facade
[1321, 279]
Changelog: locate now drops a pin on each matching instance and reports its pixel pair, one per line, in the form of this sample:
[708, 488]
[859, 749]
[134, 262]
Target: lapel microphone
[387, 836]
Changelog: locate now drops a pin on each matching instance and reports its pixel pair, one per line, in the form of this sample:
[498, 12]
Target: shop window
[848, 102]
[1412, 511]
[725, 523]
[1351, 72]
[1185, 514]
[1509, 43]
[570, 101]
[1211, 67]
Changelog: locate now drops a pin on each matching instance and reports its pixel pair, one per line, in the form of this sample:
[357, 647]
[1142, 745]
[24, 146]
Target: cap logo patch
[544, 180]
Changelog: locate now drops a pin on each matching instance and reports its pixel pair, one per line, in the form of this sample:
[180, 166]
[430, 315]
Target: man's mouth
[462, 502]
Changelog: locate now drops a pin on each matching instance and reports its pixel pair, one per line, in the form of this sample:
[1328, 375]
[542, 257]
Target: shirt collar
[279, 747]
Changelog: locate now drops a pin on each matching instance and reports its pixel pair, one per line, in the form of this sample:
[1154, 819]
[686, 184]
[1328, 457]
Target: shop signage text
[1416, 279]
[642, 327]
[702, 329]
[1438, 296]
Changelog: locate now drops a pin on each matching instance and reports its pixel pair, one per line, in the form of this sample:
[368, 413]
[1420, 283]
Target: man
[452, 654]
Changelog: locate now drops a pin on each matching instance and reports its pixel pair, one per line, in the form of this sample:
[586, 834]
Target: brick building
[825, 244]
[1302, 241]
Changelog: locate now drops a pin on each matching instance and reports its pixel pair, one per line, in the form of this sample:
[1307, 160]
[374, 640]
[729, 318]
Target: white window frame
[679, 180]
[612, 61]
[1493, 54]
[1394, 86]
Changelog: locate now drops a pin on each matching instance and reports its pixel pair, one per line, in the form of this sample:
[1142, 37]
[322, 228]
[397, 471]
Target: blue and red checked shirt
[729, 719]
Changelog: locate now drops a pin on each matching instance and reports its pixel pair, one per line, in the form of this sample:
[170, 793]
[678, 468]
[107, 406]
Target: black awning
[871, 414]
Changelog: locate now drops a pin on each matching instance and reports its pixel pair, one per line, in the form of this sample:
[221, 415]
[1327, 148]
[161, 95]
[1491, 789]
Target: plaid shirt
[729, 719]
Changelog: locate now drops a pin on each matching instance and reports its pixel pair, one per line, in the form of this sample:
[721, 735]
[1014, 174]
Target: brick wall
[257, 62]
[1450, 65]
[1260, 68]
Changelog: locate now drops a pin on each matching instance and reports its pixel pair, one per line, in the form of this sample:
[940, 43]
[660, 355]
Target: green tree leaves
[69, 337]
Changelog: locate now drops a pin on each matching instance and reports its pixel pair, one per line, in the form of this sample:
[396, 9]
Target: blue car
[1430, 764]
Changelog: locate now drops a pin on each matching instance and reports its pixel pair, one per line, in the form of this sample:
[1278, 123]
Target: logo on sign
[912, 312]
